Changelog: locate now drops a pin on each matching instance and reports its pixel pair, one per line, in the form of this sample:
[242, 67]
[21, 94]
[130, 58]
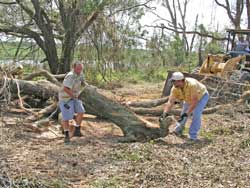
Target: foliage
[176, 52]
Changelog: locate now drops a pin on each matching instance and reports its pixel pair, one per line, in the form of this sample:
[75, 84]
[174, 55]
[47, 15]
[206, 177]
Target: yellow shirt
[191, 87]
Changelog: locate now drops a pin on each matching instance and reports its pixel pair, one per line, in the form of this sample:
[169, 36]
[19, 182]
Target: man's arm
[169, 104]
[68, 91]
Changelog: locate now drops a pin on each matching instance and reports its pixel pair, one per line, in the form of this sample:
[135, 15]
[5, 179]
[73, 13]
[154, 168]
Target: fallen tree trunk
[147, 104]
[133, 127]
[40, 89]
[158, 111]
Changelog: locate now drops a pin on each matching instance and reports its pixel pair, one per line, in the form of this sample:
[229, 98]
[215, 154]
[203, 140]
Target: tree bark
[133, 127]
[248, 14]
[147, 104]
[40, 89]
[176, 112]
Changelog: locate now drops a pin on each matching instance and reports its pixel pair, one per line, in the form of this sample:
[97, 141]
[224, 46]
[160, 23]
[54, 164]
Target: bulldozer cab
[238, 43]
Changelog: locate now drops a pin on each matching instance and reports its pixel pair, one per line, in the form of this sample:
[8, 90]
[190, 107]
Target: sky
[211, 15]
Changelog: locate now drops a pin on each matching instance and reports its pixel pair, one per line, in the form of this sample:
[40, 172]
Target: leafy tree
[50, 23]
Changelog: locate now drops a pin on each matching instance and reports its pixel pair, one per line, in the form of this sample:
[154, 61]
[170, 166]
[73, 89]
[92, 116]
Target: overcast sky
[211, 15]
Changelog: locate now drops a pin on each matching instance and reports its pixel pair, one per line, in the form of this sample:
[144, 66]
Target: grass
[112, 182]
[245, 144]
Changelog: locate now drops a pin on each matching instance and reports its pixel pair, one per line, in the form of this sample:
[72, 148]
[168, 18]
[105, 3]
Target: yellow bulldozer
[238, 57]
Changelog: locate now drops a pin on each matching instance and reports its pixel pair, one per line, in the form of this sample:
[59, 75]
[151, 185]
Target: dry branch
[46, 111]
[147, 104]
[43, 73]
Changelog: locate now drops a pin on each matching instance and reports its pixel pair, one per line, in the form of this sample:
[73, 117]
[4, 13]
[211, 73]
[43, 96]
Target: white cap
[177, 76]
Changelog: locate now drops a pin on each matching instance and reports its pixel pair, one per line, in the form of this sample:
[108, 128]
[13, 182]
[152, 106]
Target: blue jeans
[196, 115]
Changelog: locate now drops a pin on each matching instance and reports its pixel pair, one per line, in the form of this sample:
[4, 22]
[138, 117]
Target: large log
[133, 127]
[40, 89]
[157, 111]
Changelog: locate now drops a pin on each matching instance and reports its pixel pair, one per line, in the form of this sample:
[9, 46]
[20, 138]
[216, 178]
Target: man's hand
[183, 117]
[163, 116]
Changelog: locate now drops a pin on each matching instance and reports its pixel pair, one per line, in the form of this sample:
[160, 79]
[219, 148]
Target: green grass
[245, 144]
[110, 182]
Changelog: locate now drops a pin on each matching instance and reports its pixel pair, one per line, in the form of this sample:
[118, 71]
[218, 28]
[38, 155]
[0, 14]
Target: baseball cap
[177, 76]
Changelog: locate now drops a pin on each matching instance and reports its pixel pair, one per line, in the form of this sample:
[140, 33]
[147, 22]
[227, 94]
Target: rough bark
[248, 14]
[147, 104]
[133, 127]
[40, 89]
[176, 112]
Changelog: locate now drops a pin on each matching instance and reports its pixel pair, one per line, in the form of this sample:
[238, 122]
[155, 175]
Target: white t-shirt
[72, 81]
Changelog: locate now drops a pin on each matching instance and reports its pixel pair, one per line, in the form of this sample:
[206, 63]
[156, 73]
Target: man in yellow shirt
[194, 96]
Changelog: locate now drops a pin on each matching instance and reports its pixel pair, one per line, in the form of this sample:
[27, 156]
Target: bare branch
[132, 7]
[220, 4]
[188, 32]
[7, 3]
[13, 30]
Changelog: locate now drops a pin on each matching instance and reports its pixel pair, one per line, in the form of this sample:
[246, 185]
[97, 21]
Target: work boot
[77, 131]
[66, 138]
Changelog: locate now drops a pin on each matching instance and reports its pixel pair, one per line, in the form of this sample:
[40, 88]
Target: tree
[49, 23]
[57, 26]
[234, 14]
[178, 21]
[248, 13]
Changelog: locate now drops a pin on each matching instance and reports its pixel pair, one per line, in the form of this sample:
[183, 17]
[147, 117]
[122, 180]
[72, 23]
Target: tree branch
[12, 30]
[188, 32]
[90, 19]
[132, 7]
[7, 3]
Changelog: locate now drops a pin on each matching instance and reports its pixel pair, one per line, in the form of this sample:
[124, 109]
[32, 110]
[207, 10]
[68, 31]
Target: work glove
[163, 116]
[180, 124]
[183, 118]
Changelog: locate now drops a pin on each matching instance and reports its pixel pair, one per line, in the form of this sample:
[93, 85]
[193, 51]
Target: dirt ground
[221, 158]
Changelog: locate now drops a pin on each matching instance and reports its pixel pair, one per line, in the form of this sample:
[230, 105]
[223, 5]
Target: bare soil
[221, 157]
